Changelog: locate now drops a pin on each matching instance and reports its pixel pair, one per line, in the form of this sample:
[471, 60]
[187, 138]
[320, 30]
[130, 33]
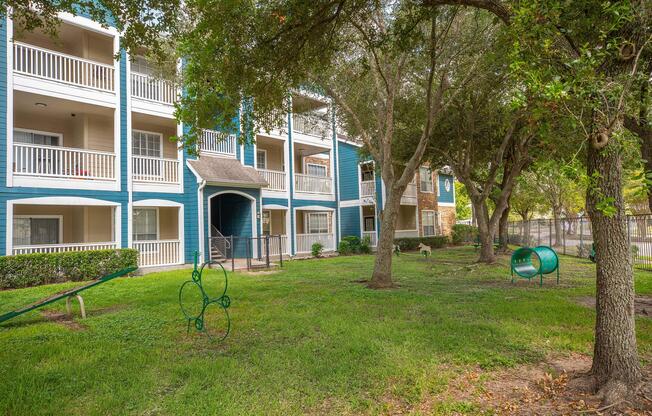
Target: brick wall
[426, 200]
[447, 219]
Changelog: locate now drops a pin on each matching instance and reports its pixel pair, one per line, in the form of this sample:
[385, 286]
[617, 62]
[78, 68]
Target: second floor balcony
[313, 184]
[217, 143]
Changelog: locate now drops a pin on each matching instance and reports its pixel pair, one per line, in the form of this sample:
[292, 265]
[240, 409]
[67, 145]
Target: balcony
[152, 89]
[313, 184]
[275, 179]
[217, 143]
[409, 197]
[157, 252]
[63, 162]
[55, 66]
[311, 124]
[274, 249]
[367, 188]
[155, 170]
[305, 242]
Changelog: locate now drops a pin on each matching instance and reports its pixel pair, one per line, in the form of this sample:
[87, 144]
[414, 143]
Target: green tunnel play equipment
[523, 263]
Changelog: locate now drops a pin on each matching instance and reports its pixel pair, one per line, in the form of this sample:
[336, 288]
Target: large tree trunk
[485, 233]
[615, 361]
[525, 220]
[382, 274]
[503, 230]
[558, 231]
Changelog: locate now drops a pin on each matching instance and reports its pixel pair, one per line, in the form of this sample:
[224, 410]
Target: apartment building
[88, 164]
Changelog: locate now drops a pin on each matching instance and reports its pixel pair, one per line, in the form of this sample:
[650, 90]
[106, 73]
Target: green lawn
[304, 340]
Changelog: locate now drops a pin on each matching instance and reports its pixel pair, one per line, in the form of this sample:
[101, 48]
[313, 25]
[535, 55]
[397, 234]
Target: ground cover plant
[307, 339]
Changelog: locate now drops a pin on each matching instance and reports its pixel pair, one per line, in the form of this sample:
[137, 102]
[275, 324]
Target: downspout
[200, 204]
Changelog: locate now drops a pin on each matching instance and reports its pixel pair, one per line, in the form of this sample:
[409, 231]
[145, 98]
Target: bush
[344, 248]
[26, 270]
[365, 245]
[412, 243]
[463, 233]
[317, 249]
[352, 244]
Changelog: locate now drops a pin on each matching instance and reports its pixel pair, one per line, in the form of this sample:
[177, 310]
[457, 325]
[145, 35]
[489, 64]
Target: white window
[267, 222]
[37, 230]
[316, 170]
[141, 65]
[426, 180]
[429, 222]
[261, 158]
[145, 224]
[317, 223]
[37, 137]
[145, 143]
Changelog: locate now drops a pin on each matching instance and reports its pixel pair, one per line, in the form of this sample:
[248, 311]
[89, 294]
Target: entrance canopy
[226, 171]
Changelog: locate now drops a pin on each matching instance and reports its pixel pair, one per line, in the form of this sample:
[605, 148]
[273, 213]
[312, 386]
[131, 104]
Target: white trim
[158, 224]
[314, 208]
[9, 117]
[352, 203]
[446, 204]
[128, 150]
[45, 182]
[156, 203]
[88, 24]
[64, 200]
[155, 133]
[254, 212]
[117, 115]
[58, 217]
[274, 206]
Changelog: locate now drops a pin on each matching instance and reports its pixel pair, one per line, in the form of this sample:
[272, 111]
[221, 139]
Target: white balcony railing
[406, 233]
[274, 245]
[155, 170]
[63, 162]
[373, 238]
[310, 124]
[410, 195]
[152, 89]
[305, 242]
[313, 184]
[56, 66]
[274, 178]
[367, 188]
[157, 252]
[59, 248]
[217, 142]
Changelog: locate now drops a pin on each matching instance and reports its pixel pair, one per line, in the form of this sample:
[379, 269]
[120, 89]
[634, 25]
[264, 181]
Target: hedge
[412, 243]
[24, 270]
[464, 233]
[353, 244]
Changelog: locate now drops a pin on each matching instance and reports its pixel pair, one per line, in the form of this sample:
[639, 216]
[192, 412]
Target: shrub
[365, 245]
[463, 233]
[344, 248]
[317, 249]
[25, 270]
[412, 243]
[354, 242]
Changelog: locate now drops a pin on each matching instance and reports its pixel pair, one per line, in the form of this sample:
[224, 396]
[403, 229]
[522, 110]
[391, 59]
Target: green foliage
[354, 245]
[463, 233]
[412, 243]
[25, 270]
[317, 249]
[463, 209]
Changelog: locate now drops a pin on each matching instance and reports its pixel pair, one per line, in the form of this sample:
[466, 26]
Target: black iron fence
[573, 236]
[248, 252]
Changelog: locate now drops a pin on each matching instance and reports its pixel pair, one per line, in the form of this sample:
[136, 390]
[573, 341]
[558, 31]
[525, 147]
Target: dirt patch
[546, 388]
[63, 319]
[642, 304]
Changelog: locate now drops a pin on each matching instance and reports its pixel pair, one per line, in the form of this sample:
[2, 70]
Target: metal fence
[248, 252]
[574, 237]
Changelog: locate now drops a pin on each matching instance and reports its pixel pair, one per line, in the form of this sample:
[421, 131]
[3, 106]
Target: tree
[389, 67]
[526, 201]
[586, 55]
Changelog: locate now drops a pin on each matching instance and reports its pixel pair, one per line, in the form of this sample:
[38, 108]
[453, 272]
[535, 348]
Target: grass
[304, 340]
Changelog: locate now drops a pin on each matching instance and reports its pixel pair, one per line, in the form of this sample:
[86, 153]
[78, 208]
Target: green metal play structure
[68, 294]
[198, 307]
[524, 266]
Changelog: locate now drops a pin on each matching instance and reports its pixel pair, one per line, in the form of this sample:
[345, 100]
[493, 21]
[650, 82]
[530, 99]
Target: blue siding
[444, 195]
[350, 221]
[275, 201]
[249, 154]
[349, 158]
